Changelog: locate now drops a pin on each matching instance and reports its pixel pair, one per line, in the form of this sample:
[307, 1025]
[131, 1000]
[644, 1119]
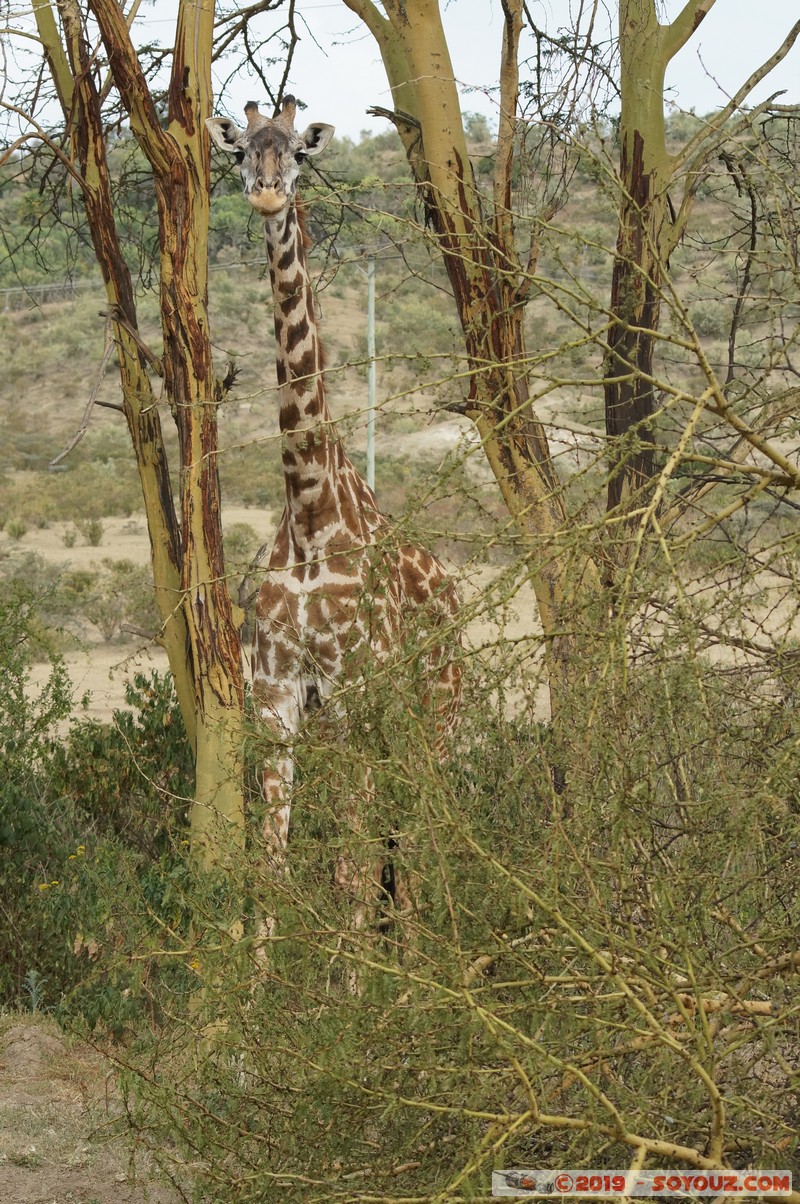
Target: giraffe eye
[238, 155]
[299, 155]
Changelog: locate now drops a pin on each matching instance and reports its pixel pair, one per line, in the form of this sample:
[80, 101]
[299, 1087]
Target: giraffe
[337, 586]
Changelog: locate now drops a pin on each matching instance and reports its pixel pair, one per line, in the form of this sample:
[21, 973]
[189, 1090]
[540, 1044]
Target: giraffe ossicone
[318, 610]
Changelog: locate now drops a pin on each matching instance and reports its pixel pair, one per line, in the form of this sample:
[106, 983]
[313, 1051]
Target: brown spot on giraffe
[306, 364]
[335, 592]
[290, 416]
[297, 334]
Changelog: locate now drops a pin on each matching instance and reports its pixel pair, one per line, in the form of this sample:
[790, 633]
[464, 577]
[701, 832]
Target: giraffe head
[269, 153]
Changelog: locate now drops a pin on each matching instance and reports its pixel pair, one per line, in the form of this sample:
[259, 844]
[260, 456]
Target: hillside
[430, 474]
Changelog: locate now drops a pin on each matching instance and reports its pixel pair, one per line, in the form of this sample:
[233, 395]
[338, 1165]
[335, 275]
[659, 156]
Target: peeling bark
[636, 281]
[199, 630]
[489, 290]
[140, 410]
[642, 252]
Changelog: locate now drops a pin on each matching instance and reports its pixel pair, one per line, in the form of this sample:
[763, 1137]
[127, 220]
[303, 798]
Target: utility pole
[371, 371]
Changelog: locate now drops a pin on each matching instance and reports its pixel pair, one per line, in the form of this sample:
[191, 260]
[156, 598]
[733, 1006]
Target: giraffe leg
[358, 873]
[401, 891]
[280, 713]
[441, 701]
[358, 876]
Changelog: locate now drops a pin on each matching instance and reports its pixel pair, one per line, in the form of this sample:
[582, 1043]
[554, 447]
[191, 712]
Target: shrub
[91, 529]
[86, 490]
[132, 777]
[53, 609]
[241, 544]
[83, 822]
[711, 319]
[33, 840]
[597, 950]
[123, 596]
[16, 528]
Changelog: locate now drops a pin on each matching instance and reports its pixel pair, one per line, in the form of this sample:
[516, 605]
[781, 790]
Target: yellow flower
[54, 882]
[44, 886]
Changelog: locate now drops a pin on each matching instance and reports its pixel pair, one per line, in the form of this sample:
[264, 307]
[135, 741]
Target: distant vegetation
[359, 201]
[584, 967]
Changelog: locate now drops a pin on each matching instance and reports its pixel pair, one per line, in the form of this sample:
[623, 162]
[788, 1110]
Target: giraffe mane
[301, 210]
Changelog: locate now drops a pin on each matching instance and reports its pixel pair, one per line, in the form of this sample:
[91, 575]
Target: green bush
[87, 490]
[123, 596]
[92, 531]
[33, 839]
[540, 1001]
[711, 319]
[242, 541]
[133, 776]
[56, 598]
[131, 781]
[16, 528]
[81, 816]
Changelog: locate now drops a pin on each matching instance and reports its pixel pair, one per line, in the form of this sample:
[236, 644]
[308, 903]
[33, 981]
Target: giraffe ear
[223, 132]
[316, 137]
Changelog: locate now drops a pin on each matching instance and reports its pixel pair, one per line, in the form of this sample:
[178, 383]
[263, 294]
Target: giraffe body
[337, 588]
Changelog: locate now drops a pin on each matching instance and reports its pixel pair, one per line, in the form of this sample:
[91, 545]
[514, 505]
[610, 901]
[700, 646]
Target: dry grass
[59, 1134]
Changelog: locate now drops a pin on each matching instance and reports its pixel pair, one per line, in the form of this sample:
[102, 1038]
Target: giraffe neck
[313, 458]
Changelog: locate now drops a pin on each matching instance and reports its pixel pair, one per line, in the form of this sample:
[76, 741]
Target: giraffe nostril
[273, 183]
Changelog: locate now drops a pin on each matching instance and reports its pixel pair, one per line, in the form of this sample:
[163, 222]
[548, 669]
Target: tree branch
[54, 52]
[378, 25]
[117, 314]
[698, 170]
[392, 51]
[39, 133]
[743, 184]
[678, 32]
[700, 146]
[509, 93]
[130, 80]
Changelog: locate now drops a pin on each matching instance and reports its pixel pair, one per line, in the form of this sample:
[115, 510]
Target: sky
[338, 71]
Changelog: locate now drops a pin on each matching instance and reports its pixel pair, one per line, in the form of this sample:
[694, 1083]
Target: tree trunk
[81, 101]
[640, 262]
[648, 231]
[635, 304]
[200, 631]
[489, 290]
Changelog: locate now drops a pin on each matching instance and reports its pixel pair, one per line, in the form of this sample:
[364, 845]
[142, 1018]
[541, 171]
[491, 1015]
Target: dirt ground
[100, 670]
[59, 1143]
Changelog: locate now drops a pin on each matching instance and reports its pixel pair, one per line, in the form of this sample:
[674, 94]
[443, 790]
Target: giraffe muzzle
[268, 201]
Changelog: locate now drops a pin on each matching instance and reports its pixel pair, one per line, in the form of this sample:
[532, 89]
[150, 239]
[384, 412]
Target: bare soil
[61, 1136]
[99, 670]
